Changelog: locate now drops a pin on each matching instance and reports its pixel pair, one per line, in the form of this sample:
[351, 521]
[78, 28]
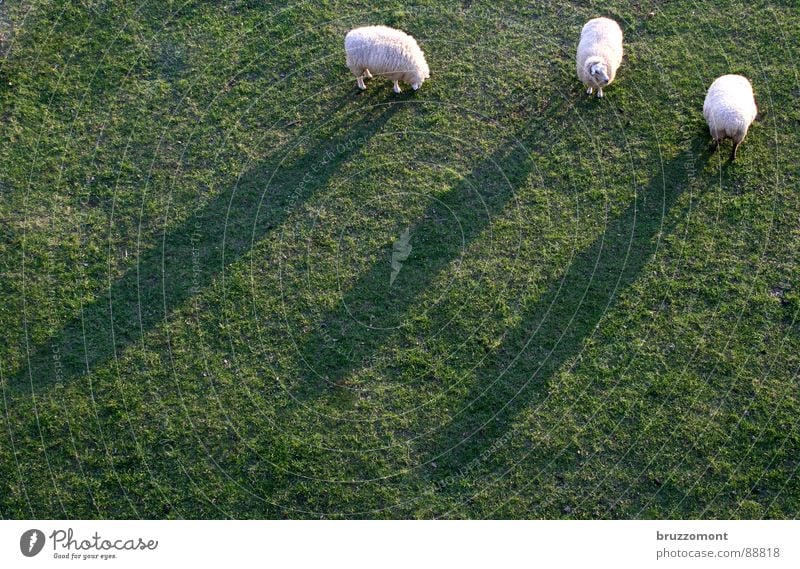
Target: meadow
[589, 315]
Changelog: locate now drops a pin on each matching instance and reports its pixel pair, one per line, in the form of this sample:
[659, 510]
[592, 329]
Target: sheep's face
[417, 80]
[599, 73]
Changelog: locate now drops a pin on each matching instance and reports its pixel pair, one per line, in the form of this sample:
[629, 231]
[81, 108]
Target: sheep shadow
[339, 344]
[181, 263]
[559, 323]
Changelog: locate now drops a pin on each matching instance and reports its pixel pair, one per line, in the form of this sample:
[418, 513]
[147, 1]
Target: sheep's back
[601, 37]
[383, 50]
[730, 104]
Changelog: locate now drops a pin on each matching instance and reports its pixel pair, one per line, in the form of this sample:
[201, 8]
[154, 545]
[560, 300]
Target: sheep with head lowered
[729, 110]
[599, 54]
[385, 51]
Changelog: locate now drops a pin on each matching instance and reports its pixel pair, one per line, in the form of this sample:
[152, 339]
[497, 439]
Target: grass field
[597, 317]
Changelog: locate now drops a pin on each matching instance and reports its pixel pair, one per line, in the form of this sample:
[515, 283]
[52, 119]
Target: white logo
[400, 252]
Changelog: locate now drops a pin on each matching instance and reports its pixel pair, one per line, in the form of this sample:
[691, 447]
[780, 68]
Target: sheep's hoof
[589, 91]
[397, 89]
[599, 93]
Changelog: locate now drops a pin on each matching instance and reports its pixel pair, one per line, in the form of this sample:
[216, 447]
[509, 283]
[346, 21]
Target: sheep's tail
[725, 127]
[737, 131]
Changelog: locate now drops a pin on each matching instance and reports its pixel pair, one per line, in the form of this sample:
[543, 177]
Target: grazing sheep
[380, 50]
[729, 110]
[599, 54]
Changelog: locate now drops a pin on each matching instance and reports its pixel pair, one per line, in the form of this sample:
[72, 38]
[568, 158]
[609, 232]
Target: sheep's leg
[367, 74]
[599, 92]
[589, 91]
[714, 144]
[360, 83]
[396, 87]
[733, 152]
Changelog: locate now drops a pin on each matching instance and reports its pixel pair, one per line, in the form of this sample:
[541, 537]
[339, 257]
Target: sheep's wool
[730, 108]
[384, 51]
[601, 42]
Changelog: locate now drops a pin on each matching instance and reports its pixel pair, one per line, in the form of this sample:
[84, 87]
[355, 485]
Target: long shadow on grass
[185, 260]
[345, 338]
[557, 325]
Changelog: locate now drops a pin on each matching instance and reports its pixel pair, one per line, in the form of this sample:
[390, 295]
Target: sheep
[381, 50]
[599, 54]
[729, 110]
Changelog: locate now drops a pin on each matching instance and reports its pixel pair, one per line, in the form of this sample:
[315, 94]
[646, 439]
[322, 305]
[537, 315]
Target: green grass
[598, 317]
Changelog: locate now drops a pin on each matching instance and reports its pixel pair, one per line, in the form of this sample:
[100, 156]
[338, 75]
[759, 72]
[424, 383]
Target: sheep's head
[417, 79]
[419, 75]
[599, 73]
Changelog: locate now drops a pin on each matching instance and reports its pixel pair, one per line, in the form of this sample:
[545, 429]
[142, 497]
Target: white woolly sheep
[599, 54]
[729, 110]
[380, 50]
